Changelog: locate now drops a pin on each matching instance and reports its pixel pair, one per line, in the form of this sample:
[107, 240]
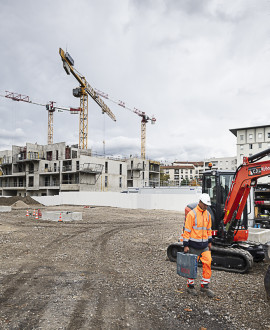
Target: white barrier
[174, 202]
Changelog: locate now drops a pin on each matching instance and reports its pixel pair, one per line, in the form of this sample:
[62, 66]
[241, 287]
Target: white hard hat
[205, 198]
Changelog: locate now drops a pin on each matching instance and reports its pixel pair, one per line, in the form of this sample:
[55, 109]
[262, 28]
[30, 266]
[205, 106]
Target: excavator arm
[246, 176]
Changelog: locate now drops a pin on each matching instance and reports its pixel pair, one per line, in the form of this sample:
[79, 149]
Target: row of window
[250, 146]
[250, 136]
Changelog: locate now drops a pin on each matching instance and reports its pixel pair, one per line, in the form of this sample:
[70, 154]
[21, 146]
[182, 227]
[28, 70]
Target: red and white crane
[50, 107]
[142, 114]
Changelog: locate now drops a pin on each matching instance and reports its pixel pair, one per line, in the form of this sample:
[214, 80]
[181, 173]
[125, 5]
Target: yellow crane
[142, 114]
[82, 92]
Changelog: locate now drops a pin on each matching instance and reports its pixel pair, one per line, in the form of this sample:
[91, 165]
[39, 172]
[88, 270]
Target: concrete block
[66, 216]
[260, 235]
[5, 208]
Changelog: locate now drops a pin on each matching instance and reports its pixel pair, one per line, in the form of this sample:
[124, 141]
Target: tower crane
[82, 92]
[50, 107]
[143, 115]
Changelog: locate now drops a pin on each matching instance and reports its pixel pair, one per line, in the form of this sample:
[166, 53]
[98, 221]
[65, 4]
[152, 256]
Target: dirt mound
[19, 205]
[8, 201]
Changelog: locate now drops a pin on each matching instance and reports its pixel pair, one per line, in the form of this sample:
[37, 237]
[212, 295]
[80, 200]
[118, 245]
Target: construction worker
[197, 239]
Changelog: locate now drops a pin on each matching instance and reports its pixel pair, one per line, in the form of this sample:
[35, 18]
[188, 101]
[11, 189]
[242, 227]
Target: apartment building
[43, 170]
[182, 171]
[142, 173]
[223, 163]
[186, 172]
[250, 141]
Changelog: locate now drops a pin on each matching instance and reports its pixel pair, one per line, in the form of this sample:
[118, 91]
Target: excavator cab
[217, 184]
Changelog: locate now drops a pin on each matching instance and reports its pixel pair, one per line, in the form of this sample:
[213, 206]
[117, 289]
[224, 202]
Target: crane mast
[82, 92]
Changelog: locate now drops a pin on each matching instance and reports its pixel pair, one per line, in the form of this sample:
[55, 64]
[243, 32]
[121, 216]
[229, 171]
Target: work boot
[191, 290]
[205, 289]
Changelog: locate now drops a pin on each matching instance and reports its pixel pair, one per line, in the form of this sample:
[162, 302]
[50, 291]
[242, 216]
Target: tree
[185, 182]
[164, 179]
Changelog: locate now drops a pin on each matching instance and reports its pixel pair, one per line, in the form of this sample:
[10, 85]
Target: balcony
[91, 168]
[67, 168]
[50, 170]
[136, 167]
[24, 157]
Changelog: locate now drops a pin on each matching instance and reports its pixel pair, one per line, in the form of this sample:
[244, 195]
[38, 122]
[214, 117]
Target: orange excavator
[229, 191]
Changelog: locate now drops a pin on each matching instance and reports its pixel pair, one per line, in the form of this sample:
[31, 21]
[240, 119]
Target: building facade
[250, 141]
[223, 163]
[44, 170]
[142, 173]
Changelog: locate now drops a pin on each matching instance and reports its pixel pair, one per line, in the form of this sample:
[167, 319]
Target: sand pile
[19, 205]
[9, 201]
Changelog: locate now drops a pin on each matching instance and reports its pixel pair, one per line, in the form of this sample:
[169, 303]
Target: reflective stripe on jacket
[197, 232]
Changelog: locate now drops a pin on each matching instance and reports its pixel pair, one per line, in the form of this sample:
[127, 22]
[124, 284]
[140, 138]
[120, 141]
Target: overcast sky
[201, 67]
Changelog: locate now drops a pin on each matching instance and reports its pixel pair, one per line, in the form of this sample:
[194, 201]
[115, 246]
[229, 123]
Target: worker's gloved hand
[186, 249]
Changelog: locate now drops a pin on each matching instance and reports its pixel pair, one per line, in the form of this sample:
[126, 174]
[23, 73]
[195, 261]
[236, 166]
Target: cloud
[199, 66]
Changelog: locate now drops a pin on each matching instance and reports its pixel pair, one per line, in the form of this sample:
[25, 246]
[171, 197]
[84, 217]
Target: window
[106, 180]
[260, 145]
[106, 168]
[49, 155]
[176, 171]
[250, 146]
[190, 171]
[268, 135]
[259, 135]
[120, 170]
[120, 182]
[241, 147]
[241, 137]
[250, 136]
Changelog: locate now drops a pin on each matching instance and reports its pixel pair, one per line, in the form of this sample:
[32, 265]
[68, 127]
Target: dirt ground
[110, 271]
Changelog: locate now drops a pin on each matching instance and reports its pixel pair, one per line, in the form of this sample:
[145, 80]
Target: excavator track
[228, 259]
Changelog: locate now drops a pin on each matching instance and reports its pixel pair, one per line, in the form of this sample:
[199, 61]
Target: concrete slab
[5, 208]
[66, 216]
[260, 235]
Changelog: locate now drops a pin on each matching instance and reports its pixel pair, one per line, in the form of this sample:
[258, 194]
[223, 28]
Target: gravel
[110, 271]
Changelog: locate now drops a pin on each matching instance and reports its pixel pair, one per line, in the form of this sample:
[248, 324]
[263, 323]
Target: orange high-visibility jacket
[197, 233]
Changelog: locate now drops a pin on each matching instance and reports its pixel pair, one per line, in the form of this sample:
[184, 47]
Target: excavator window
[210, 188]
[225, 184]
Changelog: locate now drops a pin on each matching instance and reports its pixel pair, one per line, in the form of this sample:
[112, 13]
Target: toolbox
[187, 265]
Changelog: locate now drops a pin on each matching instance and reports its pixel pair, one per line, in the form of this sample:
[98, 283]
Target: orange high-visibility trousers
[206, 260]
[206, 265]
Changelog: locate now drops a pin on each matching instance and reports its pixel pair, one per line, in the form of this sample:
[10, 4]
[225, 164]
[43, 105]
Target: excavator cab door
[217, 184]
